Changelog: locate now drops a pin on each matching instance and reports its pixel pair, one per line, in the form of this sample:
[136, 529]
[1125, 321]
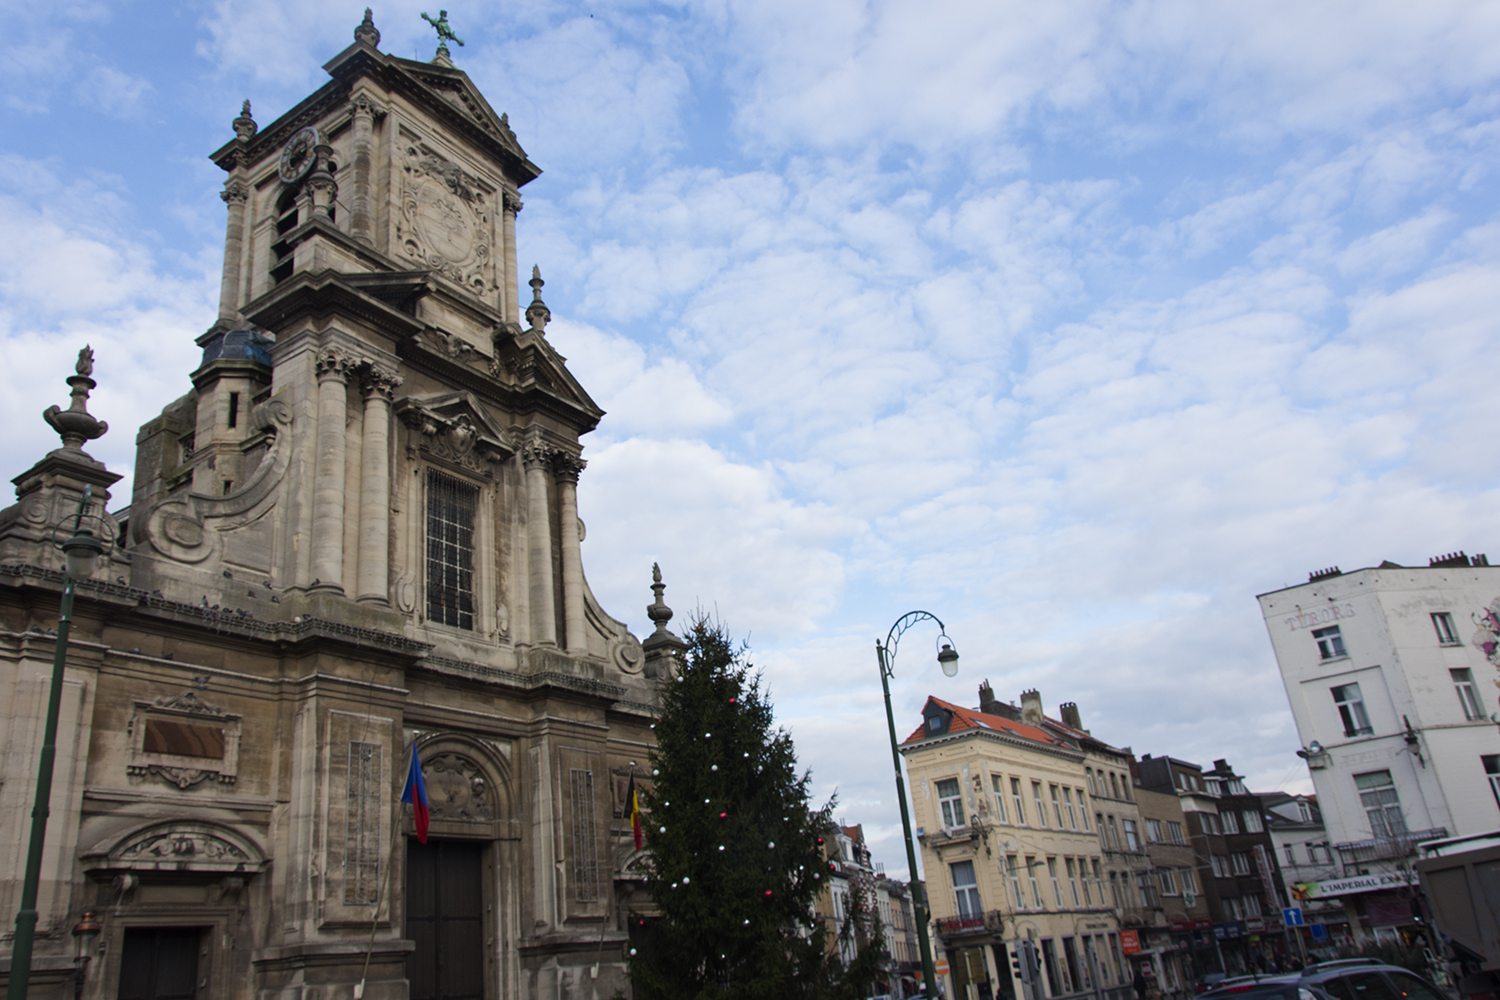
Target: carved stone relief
[457, 790]
[182, 845]
[446, 220]
[454, 430]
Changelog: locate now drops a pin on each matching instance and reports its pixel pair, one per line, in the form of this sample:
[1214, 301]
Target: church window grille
[585, 859]
[450, 550]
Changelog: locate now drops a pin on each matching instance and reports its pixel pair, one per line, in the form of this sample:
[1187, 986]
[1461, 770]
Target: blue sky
[1077, 324]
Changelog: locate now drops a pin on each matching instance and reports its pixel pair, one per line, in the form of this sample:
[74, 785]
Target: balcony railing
[1381, 848]
[989, 922]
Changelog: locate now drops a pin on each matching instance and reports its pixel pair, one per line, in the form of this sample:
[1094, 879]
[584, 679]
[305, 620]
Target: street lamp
[85, 932]
[79, 554]
[948, 659]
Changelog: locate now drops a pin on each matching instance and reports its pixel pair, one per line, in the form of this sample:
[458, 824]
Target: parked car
[1367, 979]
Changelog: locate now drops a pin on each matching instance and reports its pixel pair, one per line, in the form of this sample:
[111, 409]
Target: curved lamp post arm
[885, 655]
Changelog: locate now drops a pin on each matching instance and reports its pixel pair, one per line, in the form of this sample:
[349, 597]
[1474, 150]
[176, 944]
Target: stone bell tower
[369, 332]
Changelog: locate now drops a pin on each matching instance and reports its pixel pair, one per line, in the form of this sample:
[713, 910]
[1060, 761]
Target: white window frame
[1083, 813]
[1350, 702]
[1019, 800]
[1468, 694]
[997, 782]
[1230, 821]
[1166, 879]
[1153, 831]
[1491, 764]
[966, 894]
[1174, 832]
[1330, 642]
[1447, 632]
[1132, 835]
[1067, 794]
[1013, 869]
[1239, 862]
[1382, 804]
[946, 804]
[1041, 807]
[1253, 822]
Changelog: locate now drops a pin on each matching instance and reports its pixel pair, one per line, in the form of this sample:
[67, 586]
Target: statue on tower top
[444, 32]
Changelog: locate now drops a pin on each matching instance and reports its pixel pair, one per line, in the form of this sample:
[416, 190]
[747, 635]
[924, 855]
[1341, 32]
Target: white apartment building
[1391, 681]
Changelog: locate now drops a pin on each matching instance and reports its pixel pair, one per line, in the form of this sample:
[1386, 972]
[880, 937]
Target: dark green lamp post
[948, 659]
[79, 555]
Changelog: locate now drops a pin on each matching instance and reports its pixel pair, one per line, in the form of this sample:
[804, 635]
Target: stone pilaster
[328, 489]
[567, 468]
[235, 194]
[511, 307]
[360, 222]
[536, 457]
[378, 386]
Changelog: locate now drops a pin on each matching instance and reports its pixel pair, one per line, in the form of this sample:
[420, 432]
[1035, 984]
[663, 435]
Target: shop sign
[1130, 942]
[1227, 932]
[1349, 886]
[1256, 924]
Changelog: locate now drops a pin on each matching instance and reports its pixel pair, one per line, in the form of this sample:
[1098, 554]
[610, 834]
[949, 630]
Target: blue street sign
[1320, 932]
[1292, 915]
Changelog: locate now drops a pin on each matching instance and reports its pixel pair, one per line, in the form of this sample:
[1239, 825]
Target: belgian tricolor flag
[633, 803]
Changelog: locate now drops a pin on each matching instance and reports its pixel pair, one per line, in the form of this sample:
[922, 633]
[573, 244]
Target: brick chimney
[1069, 712]
[1031, 707]
[987, 699]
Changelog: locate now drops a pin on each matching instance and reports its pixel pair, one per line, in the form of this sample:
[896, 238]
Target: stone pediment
[454, 428]
[528, 361]
[455, 88]
[178, 846]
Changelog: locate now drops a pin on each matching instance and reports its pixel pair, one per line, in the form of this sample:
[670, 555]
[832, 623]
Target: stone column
[328, 489]
[379, 385]
[360, 223]
[537, 457]
[320, 184]
[511, 306]
[568, 467]
[235, 194]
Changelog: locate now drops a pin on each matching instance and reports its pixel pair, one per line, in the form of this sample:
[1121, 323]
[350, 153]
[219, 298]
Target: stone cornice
[227, 622]
[324, 294]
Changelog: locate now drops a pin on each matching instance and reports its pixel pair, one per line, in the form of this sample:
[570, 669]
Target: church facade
[353, 540]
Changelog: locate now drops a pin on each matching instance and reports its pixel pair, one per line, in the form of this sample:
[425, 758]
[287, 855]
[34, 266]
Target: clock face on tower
[297, 155]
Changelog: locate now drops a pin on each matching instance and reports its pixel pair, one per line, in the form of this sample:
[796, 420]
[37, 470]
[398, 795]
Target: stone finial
[537, 314]
[367, 32]
[658, 612]
[244, 125]
[75, 424]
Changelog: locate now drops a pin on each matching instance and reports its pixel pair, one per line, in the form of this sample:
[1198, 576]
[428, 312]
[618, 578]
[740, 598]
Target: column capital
[511, 201]
[376, 381]
[235, 191]
[334, 364]
[567, 466]
[365, 106]
[537, 454]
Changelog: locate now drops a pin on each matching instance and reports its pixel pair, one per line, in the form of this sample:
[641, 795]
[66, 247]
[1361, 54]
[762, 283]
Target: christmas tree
[736, 856]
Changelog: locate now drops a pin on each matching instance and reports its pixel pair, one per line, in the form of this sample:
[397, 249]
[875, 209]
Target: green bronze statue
[444, 30]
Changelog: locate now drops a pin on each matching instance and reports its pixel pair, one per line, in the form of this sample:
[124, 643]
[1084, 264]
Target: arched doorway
[459, 908]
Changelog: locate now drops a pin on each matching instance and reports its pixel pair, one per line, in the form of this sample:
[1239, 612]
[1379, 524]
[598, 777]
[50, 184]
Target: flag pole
[398, 815]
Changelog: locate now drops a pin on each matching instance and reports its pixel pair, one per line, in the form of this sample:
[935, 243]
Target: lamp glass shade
[948, 660]
[85, 932]
[79, 553]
